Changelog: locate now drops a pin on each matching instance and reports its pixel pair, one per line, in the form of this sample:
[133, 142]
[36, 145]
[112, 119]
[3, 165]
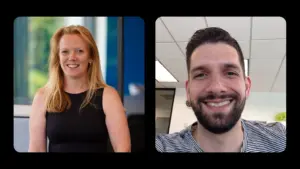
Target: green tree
[41, 30]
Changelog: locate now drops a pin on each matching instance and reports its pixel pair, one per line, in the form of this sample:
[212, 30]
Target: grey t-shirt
[258, 137]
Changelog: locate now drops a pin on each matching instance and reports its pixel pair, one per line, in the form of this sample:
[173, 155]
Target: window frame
[20, 52]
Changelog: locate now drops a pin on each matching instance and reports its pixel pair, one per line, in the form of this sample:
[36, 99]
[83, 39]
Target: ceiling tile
[167, 50]
[182, 28]
[238, 27]
[282, 72]
[161, 33]
[261, 82]
[263, 74]
[177, 68]
[245, 48]
[279, 86]
[283, 67]
[268, 48]
[280, 83]
[182, 46]
[264, 65]
[170, 56]
[261, 87]
[284, 62]
[268, 28]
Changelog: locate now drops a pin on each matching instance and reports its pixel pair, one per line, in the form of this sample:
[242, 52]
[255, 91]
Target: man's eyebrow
[198, 68]
[231, 65]
[226, 65]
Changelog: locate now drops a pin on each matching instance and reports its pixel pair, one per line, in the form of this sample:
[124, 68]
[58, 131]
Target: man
[217, 89]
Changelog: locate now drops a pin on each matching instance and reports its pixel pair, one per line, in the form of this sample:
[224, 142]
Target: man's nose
[216, 85]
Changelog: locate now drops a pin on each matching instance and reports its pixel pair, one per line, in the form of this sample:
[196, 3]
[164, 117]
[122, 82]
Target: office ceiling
[262, 39]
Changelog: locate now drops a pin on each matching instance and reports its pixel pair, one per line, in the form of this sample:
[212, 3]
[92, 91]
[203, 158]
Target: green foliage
[37, 79]
[41, 30]
[50, 24]
[280, 116]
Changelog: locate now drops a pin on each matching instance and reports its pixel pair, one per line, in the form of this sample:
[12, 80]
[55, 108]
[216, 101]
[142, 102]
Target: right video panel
[229, 78]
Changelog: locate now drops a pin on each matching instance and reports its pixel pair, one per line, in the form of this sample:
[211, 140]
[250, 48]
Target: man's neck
[77, 85]
[226, 142]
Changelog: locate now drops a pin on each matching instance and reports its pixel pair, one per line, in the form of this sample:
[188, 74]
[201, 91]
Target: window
[31, 51]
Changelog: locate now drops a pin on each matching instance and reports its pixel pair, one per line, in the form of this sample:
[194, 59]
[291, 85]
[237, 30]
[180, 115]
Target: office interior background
[31, 50]
[263, 42]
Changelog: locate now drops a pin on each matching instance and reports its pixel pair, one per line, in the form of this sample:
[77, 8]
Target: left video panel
[72, 86]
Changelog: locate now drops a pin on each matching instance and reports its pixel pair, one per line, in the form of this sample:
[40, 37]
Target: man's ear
[187, 90]
[248, 86]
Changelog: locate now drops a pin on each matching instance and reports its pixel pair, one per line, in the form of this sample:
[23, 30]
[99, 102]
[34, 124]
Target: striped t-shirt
[258, 137]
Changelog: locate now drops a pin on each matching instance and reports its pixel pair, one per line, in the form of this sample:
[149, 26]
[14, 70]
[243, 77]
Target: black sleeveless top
[74, 131]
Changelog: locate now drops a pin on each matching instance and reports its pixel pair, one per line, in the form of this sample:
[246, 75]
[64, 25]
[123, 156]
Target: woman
[76, 110]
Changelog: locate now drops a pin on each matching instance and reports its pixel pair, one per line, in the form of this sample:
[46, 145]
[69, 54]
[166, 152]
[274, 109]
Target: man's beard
[219, 122]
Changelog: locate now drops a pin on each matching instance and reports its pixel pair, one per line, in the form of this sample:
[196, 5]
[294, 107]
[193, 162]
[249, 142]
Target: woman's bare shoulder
[40, 94]
[39, 101]
[110, 93]
[111, 98]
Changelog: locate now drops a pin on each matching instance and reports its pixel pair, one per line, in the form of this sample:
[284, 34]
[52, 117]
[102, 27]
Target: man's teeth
[72, 66]
[218, 104]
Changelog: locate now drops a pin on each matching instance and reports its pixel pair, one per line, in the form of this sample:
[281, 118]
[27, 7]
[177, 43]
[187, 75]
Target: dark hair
[212, 35]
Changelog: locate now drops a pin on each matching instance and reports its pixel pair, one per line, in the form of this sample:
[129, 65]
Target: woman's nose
[72, 56]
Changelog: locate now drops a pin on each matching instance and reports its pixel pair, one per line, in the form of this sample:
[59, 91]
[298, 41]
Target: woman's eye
[79, 50]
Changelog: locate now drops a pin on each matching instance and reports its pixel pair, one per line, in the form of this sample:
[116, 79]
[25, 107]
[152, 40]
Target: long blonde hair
[56, 99]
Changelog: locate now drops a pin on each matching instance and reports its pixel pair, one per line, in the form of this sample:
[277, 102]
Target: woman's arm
[116, 121]
[37, 124]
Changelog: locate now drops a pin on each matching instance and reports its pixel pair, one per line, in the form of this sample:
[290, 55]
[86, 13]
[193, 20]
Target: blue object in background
[112, 52]
[134, 64]
[134, 53]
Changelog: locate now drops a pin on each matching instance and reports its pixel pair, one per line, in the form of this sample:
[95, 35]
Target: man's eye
[231, 73]
[201, 75]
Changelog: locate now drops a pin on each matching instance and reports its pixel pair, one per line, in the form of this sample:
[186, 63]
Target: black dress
[74, 131]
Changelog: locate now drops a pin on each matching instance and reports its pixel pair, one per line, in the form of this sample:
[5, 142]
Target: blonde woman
[76, 110]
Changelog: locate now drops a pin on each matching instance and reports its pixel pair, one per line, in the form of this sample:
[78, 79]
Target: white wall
[259, 106]
[101, 38]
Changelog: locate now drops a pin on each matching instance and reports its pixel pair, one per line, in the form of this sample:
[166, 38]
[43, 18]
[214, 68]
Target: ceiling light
[162, 74]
